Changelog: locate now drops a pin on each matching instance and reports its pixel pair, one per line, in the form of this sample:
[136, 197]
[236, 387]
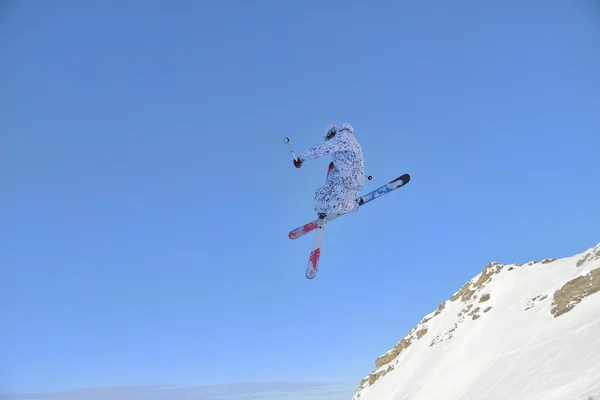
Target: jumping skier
[345, 178]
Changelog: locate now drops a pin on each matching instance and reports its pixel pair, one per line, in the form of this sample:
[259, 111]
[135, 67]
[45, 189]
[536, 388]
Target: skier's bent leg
[322, 200]
[337, 196]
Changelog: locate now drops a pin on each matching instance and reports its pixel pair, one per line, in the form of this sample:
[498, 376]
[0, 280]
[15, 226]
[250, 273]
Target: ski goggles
[330, 134]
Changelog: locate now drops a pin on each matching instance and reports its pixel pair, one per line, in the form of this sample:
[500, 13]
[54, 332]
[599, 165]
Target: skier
[345, 178]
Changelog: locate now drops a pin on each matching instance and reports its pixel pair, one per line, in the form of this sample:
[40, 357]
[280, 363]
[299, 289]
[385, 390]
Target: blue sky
[148, 192]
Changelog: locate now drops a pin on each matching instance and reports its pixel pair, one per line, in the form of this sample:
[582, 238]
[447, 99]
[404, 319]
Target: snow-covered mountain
[513, 332]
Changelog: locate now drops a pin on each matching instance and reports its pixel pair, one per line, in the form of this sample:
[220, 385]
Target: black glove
[297, 162]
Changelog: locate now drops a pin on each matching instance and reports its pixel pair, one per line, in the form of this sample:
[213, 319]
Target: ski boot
[322, 217]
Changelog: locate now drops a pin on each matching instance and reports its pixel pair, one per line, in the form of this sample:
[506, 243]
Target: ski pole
[287, 140]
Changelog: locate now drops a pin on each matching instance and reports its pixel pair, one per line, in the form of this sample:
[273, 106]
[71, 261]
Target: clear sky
[147, 191]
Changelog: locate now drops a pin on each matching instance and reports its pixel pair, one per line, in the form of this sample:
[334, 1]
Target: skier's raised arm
[337, 142]
[324, 148]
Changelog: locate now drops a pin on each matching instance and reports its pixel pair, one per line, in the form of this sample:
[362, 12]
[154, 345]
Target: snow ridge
[513, 332]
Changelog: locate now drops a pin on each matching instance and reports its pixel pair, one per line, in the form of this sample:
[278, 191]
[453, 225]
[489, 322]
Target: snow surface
[508, 352]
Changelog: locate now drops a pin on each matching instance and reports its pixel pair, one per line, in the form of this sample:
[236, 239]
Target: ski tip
[311, 273]
[405, 178]
[401, 180]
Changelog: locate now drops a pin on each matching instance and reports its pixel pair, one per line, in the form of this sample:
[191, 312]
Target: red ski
[315, 254]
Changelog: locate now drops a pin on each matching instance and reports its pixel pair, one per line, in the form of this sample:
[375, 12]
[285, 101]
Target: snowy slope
[513, 332]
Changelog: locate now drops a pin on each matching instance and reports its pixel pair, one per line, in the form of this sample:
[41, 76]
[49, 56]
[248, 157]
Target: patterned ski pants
[338, 195]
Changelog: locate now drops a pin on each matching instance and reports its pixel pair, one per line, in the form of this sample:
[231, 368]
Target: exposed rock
[532, 302]
[486, 275]
[474, 311]
[444, 336]
[440, 309]
[376, 375]
[390, 355]
[583, 259]
[431, 316]
[421, 333]
[435, 341]
[464, 292]
[365, 380]
[591, 255]
[470, 295]
[415, 333]
[574, 291]
[465, 310]
[468, 289]
[373, 377]
[474, 314]
[484, 298]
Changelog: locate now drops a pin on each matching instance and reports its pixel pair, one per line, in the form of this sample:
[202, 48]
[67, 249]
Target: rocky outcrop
[470, 302]
[383, 364]
[373, 377]
[574, 291]
[390, 355]
[414, 334]
[484, 298]
[534, 300]
[589, 256]
[467, 294]
[440, 309]
[475, 313]
[421, 333]
[468, 289]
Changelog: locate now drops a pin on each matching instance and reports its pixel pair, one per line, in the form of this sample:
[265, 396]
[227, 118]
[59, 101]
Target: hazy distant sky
[148, 193]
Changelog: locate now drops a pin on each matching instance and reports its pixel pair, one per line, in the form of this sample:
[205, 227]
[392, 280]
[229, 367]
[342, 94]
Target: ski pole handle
[287, 140]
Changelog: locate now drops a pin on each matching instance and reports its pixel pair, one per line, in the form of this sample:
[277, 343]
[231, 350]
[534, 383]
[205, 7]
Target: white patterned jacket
[346, 153]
